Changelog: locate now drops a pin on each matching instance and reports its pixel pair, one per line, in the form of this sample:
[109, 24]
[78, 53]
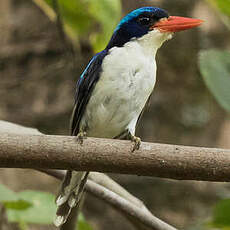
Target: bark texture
[114, 156]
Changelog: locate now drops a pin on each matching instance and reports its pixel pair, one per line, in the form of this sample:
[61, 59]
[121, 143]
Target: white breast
[127, 80]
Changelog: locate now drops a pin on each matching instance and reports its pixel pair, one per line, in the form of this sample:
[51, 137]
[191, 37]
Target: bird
[114, 88]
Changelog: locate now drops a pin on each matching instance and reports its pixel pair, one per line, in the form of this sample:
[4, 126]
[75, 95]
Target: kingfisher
[114, 88]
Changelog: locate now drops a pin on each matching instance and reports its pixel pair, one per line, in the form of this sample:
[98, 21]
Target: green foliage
[42, 210]
[82, 224]
[215, 69]
[221, 215]
[22, 226]
[222, 5]
[95, 19]
[32, 207]
[107, 13]
[74, 13]
[12, 200]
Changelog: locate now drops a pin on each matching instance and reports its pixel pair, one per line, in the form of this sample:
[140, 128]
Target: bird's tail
[69, 195]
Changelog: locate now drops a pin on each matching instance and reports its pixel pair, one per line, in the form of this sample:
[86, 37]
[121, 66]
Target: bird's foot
[81, 136]
[137, 142]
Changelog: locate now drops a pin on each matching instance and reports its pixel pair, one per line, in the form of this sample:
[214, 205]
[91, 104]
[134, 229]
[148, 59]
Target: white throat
[152, 41]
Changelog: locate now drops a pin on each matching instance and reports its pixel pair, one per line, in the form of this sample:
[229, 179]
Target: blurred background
[38, 73]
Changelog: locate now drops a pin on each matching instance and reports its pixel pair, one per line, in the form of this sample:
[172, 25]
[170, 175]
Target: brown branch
[110, 184]
[102, 180]
[8, 127]
[115, 156]
[139, 212]
[101, 193]
[127, 207]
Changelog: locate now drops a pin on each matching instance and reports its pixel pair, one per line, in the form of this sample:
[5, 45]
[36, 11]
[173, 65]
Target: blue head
[136, 24]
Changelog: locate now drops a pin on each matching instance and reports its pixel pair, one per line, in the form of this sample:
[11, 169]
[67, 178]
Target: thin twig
[110, 184]
[127, 207]
[142, 214]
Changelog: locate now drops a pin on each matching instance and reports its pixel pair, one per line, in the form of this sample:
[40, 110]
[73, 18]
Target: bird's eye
[144, 20]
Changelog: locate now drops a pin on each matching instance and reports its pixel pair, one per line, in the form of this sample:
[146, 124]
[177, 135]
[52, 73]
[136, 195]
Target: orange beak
[175, 24]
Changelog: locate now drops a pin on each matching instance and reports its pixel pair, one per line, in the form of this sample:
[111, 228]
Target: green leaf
[11, 200]
[22, 226]
[107, 13]
[76, 15]
[17, 205]
[95, 19]
[222, 5]
[215, 69]
[82, 224]
[42, 210]
[223, 8]
[221, 215]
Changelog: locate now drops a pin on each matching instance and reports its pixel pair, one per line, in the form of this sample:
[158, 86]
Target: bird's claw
[137, 142]
[80, 137]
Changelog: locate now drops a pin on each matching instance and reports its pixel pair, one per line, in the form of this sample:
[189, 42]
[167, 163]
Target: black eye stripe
[144, 20]
[148, 19]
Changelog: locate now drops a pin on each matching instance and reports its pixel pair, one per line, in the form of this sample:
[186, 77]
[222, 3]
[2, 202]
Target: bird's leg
[81, 136]
[136, 140]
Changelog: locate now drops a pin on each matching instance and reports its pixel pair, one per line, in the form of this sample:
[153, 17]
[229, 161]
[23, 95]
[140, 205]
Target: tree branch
[148, 221]
[114, 156]
[136, 210]
[110, 184]
[127, 207]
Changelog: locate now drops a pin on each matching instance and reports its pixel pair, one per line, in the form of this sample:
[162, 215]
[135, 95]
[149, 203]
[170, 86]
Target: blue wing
[85, 86]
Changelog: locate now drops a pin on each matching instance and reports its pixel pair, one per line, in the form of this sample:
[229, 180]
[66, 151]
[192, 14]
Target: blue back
[85, 86]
